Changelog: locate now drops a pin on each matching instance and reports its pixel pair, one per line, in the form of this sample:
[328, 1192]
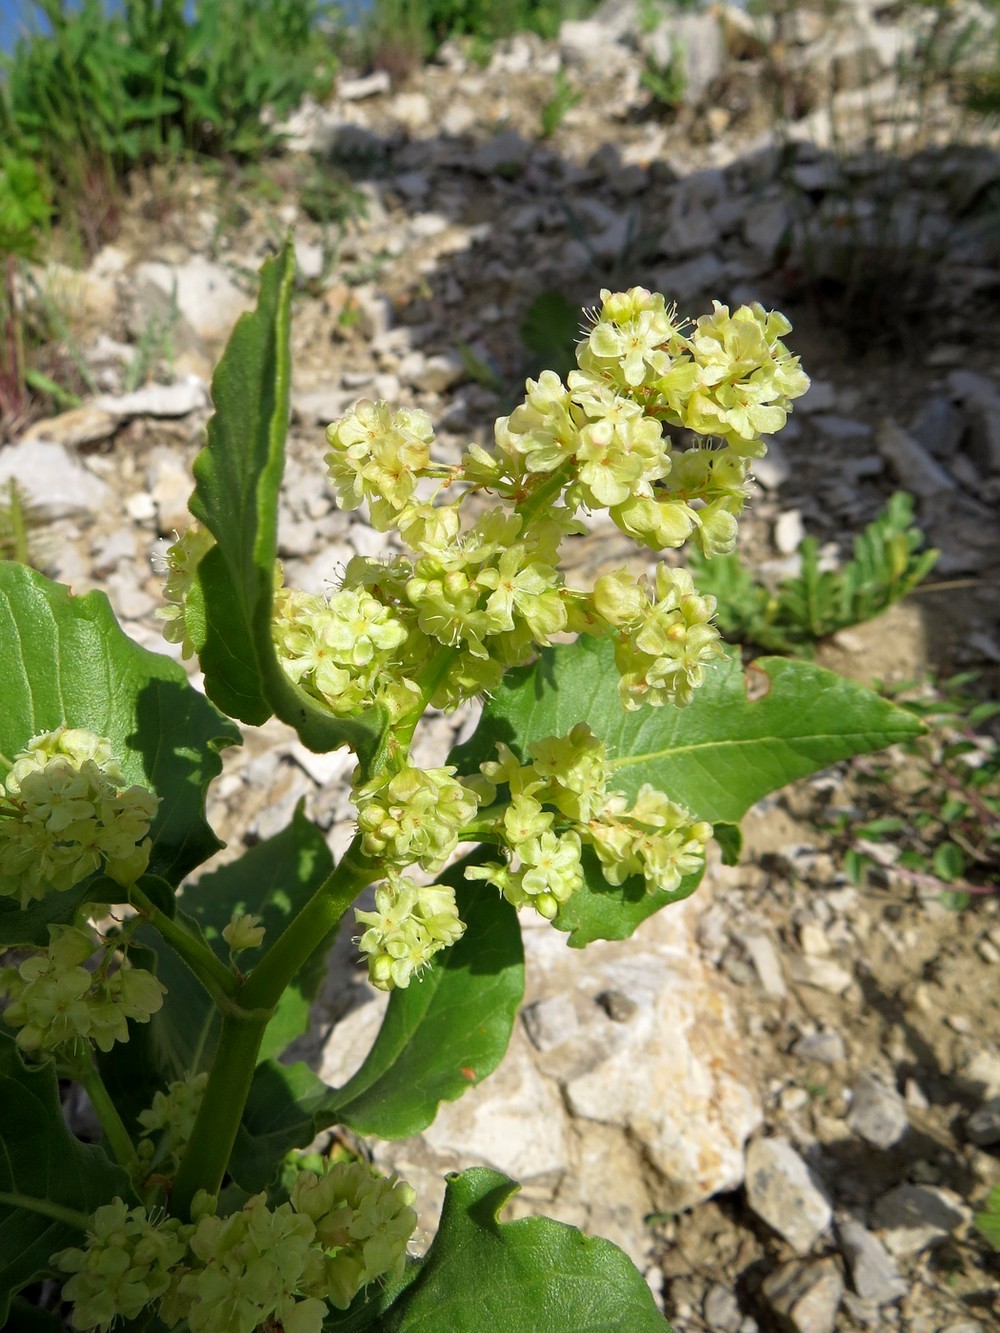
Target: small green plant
[25, 211]
[16, 522]
[98, 92]
[888, 563]
[988, 1221]
[564, 98]
[666, 80]
[948, 783]
[401, 32]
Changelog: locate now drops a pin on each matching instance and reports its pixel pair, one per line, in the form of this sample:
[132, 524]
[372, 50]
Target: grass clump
[90, 94]
[888, 563]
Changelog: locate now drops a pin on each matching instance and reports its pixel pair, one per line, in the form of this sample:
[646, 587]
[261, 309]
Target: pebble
[913, 1218]
[826, 1048]
[782, 1192]
[52, 481]
[767, 964]
[805, 1297]
[789, 532]
[878, 1113]
[983, 1125]
[721, 1310]
[874, 1274]
[821, 973]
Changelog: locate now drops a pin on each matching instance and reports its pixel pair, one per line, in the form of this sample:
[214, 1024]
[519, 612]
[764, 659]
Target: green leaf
[949, 862]
[519, 1276]
[237, 480]
[602, 911]
[745, 734]
[67, 661]
[439, 1037]
[445, 1034]
[41, 1161]
[988, 1221]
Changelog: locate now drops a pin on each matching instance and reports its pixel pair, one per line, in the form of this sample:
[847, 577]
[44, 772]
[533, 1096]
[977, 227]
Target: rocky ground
[782, 1098]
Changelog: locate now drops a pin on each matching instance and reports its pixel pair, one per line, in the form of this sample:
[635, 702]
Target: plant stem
[211, 971]
[44, 1208]
[244, 1018]
[265, 985]
[207, 1154]
[111, 1122]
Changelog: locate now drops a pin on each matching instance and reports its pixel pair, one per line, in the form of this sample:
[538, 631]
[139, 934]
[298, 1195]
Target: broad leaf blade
[518, 1276]
[602, 911]
[40, 1159]
[445, 1034]
[237, 481]
[67, 661]
[745, 734]
[440, 1036]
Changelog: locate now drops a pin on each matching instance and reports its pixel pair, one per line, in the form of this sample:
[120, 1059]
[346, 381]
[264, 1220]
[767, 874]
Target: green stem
[211, 971]
[56, 1211]
[207, 1154]
[244, 1018]
[539, 499]
[266, 984]
[111, 1122]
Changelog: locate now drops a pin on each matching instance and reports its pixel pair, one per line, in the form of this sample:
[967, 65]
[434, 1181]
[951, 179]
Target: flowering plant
[600, 770]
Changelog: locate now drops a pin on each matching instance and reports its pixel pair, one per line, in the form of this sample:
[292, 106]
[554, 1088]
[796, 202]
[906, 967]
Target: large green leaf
[745, 734]
[521, 1277]
[445, 1035]
[41, 1160]
[66, 661]
[439, 1037]
[237, 481]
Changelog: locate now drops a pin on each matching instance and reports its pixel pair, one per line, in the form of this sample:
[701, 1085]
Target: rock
[550, 1022]
[774, 469]
[826, 1048]
[767, 964]
[697, 40]
[310, 260]
[916, 1217]
[170, 484]
[783, 1193]
[980, 399]
[721, 1310]
[983, 1126]
[80, 425]
[674, 1073]
[874, 1274]
[158, 400]
[53, 483]
[805, 1297]
[939, 425]
[318, 407]
[821, 973]
[878, 1113]
[504, 153]
[698, 276]
[765, 225]
[204, 294]
[371, 85]
[913, 465]
[789, 532]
